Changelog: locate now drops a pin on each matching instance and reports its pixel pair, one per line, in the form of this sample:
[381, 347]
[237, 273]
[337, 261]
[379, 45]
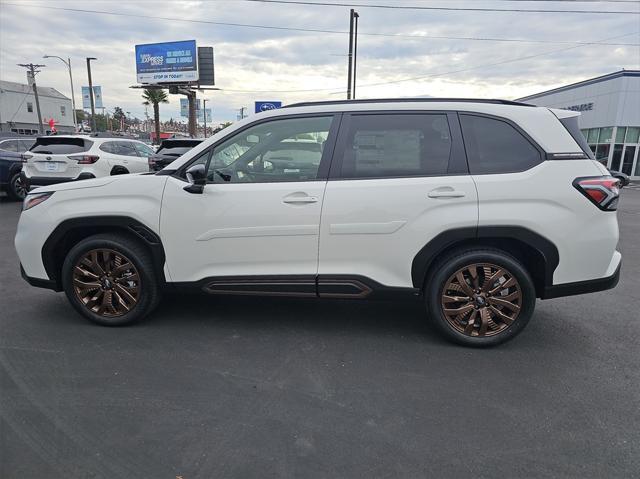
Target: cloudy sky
[398, 52]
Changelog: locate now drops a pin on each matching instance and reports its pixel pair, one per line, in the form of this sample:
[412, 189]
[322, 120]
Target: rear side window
[494, 146]
[60, 146]
[127, 148]
[396, 145]
[109, 147]
[9, 145]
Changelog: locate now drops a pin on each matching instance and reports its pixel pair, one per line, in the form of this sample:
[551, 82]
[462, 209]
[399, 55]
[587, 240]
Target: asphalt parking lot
[228, 387]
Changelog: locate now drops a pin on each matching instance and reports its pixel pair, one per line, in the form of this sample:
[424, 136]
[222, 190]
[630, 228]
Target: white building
[18, 111]
[610, 120]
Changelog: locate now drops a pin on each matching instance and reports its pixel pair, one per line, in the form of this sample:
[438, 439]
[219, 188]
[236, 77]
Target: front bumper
[582, 287]
[35, 181]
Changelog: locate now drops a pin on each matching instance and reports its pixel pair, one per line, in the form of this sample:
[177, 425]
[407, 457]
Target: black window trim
[325, 161]
[457, 158]
[544, 156]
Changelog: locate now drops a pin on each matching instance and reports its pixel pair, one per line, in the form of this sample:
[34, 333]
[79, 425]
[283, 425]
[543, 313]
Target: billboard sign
[167, 62]
[97, 97]
[267, 105]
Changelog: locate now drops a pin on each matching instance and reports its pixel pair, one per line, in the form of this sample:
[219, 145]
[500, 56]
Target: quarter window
[396, 145]
[494, 146]
[275, 151]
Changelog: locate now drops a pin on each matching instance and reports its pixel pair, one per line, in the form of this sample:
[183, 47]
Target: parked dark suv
[11, 149]
[170, 150]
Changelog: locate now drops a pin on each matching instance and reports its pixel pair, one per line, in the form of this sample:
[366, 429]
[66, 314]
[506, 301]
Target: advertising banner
[97, 97]
[201, 113]
[175, 62]
[267, 105]
[184, 106]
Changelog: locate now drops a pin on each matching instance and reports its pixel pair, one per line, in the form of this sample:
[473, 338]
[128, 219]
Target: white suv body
[63, 158]
[477, 207]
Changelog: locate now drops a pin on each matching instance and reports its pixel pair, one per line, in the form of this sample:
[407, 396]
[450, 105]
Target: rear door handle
[300, 199]
[446, 192]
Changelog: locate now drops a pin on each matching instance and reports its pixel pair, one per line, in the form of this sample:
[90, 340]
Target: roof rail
[408, 100]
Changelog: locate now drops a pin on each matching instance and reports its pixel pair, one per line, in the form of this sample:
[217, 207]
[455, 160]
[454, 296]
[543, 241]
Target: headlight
[34, 199]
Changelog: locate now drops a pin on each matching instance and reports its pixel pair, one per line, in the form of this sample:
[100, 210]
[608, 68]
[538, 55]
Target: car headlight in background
[34, 199]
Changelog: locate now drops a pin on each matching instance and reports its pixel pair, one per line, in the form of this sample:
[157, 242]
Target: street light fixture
[67, 62]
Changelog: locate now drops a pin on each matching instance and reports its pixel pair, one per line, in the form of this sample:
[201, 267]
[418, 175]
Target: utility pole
[31, 75]
[350, 55]
[93, 106]
[204, 115]
[353, 50]
[355, 54]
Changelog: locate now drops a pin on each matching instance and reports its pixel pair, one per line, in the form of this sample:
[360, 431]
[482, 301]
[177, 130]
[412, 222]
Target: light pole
[73, 95]
[204, 115]
[93, 105]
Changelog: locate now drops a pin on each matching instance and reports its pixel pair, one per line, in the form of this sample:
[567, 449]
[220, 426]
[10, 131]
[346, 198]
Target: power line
[448, 9]
[314, 30]
[431, 75]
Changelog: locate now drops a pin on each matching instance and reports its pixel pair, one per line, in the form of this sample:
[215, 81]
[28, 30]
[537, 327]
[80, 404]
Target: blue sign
[97, 97]
[267, 105]
[167, 62]
[184, 106]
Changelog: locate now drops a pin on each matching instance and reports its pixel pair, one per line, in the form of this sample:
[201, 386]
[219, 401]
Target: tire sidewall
[12, 187]
[436, 284]
[147, 281]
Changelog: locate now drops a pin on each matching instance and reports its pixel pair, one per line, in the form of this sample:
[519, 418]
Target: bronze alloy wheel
[481, 299]
[106, 282]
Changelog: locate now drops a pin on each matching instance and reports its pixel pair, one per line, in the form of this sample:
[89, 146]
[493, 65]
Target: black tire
[17, 189]
[147, 285]
[440, 277]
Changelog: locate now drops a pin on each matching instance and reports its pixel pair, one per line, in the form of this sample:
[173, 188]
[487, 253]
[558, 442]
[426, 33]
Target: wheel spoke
[507, 304]
[79, 271]
[488, 282]
[506, 319]
[121, 269]
[86, 285]
[463, 284]
[475, 280]
[455, 299]
[471, 322]
[507, 284]
[484, 324]
[460, 310]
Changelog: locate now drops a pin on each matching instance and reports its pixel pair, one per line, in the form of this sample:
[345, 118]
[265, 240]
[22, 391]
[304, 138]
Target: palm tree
[155, 97]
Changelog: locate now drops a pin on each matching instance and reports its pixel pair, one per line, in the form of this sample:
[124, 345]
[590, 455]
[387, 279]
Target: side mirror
[197, 178]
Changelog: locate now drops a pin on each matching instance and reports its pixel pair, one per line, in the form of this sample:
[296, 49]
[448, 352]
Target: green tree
[155, 97]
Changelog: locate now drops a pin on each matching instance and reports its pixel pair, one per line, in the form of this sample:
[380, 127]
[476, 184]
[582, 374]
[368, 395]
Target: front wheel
[480, 297]
[110, 279]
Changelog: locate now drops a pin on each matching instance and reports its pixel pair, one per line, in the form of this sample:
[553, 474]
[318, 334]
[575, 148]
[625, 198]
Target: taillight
[602, 191]
[25, 157]
[84, 159]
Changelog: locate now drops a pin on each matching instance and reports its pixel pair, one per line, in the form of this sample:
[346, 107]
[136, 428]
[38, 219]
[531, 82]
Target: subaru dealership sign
[267, 105]
[167, 62]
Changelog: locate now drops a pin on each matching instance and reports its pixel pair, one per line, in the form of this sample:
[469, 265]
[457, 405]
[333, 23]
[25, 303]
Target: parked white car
[63, 158]
[475, 207]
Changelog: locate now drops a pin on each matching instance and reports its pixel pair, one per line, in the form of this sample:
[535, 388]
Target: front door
[259, 214]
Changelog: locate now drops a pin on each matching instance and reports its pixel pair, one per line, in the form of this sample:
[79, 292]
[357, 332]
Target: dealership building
[18, 113]
[610, 120]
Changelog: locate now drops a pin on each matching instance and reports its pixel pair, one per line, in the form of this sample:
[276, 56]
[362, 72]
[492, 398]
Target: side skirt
[309, 286]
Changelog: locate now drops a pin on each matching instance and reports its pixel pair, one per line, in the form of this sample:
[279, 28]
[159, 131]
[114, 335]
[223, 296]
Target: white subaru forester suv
[63, 158]
[476, 207]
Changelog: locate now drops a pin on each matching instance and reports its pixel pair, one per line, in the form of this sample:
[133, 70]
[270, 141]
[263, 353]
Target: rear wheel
[17, 187]
[480, 297]
[110, 279]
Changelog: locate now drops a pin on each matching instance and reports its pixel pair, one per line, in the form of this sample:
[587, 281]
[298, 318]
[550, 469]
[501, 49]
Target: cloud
[257, 59]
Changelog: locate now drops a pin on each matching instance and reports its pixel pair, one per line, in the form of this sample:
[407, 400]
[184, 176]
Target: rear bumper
[48, 180]
[582, 287]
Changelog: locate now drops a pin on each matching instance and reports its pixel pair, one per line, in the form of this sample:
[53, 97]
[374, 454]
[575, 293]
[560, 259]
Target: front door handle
[299, 199]
[446, 192]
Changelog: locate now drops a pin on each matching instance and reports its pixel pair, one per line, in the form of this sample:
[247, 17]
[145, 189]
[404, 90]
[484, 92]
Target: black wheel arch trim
[429, 253]
[52, 262]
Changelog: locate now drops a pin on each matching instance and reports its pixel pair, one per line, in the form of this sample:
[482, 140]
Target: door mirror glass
[197, 178]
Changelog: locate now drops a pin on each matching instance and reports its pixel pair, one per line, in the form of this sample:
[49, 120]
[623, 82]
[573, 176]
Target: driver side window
[275, 151]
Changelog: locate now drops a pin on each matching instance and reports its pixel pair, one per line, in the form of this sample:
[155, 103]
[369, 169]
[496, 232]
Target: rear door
[397, 180]
[56, 156]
